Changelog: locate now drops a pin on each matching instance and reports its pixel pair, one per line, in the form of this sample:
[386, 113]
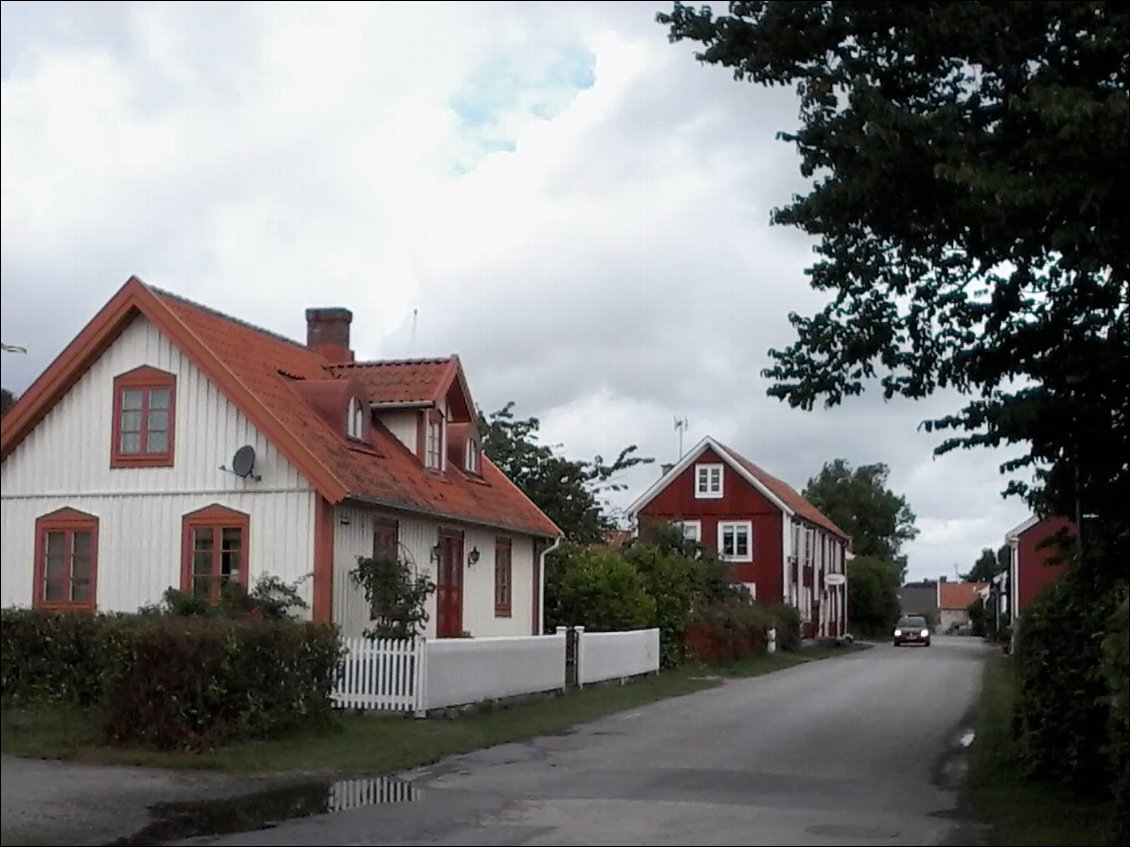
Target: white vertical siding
[404, 424]
[353, 537]
[65, 462]
[139, 541]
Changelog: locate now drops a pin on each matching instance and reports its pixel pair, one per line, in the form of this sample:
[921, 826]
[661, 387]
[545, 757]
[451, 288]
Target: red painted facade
[740, 502]
[1036, 566]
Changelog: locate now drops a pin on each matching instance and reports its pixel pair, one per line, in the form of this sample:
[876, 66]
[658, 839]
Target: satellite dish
[243, 462]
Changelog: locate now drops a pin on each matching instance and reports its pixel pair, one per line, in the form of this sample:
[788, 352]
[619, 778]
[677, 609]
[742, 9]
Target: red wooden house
[1033, 564]
[777, 543]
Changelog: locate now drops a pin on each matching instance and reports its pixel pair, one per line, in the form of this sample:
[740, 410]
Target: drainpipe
[541, 588]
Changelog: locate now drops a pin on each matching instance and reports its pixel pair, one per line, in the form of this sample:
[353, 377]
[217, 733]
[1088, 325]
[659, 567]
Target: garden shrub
[51, 657]
[728, 629]
[196, 683]
[1063, 700]
[673, 581]
[601, 591]
[1116, 658]
[786, 619]
[172, 682]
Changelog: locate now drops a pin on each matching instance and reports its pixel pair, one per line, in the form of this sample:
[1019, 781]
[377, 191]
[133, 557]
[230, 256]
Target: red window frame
[145, 380]
[220, 520]
[386, 542]
[67, 523]
[503, 577]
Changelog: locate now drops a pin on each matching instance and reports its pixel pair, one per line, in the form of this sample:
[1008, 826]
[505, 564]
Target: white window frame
[752, 588]
[471, 456]
[433, 442]
[355, 422]
[735, 525]
[703, 474]
[695, 525]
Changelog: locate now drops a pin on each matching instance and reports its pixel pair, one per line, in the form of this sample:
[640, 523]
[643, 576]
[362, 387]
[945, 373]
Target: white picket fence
[603, 656]
[385, 673]
[404, 675]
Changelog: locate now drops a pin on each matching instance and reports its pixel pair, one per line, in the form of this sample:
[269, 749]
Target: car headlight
[898, 632]
[925, 633]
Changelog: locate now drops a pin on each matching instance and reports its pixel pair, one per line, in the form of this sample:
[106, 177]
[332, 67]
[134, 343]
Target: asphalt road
[866, 748]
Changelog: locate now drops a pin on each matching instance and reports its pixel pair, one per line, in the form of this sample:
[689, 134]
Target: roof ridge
[225, 316]
[376, 363]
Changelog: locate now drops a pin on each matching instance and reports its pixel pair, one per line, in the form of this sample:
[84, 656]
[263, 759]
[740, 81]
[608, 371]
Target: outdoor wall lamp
[473, 556]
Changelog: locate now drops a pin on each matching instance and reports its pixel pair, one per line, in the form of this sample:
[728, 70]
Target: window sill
[159, 460]
[502, 612]
[700, 495]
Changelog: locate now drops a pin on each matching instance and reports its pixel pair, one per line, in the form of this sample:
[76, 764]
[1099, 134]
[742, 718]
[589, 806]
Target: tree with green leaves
[873, 599]
[571, 492]
[989, 564]
[969, 164]
[860, 503]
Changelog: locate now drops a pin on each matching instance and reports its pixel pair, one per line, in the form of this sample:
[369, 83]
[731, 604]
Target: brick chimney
[327, 331]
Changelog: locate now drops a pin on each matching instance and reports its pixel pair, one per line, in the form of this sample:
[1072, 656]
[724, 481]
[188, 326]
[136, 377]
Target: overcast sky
[555, 192]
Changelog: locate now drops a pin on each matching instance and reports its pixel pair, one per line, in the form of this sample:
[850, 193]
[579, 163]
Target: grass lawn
[373, 743]
[1020, 810]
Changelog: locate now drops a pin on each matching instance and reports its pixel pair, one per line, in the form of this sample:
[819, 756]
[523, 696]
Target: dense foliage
[1116, 653]
[597, 589]
[873, 600]
[860, 503]
[396, 593]
[569, 491]
[969, 165]
[271, 598]
[988, 564]
[170, 681]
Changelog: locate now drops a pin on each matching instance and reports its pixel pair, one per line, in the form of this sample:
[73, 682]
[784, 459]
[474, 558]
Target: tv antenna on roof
[680, 427]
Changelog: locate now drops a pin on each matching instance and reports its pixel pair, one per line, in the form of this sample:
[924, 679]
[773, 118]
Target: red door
[449, 585]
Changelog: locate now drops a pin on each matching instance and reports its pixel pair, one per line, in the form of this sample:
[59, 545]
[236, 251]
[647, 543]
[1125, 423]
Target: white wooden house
[120, 473]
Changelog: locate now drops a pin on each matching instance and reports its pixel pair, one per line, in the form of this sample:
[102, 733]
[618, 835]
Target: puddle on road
[264, 809]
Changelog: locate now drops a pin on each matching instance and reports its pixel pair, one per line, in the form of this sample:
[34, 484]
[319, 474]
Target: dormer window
[144, 401]
[471, 462]
[355, 422]
[708, 482]
[433, 443]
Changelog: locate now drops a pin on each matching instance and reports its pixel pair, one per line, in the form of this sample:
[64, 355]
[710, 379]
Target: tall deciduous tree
[988, 564]
[571, 492]
[969, 165]
[873, 601]
[859, 502]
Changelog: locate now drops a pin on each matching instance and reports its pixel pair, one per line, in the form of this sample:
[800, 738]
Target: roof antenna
[680, 427]
[412, 340]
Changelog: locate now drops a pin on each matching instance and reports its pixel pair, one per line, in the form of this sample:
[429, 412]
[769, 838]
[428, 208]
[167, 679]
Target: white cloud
[609, 269]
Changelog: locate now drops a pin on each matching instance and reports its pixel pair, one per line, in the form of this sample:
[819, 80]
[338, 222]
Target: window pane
[715, 479]
[728, 540]
[158, 399]
[201, 586]
[80, 591]
[56, 543]
[131, 399]
[158, 420]
[229, 564]
[158, 442]
[232, 537]
[202, 562]
[743, 542]
[55, 591]
[80, 567]
[131, 442]
[131, 421]
[202, 538]
[82, 543]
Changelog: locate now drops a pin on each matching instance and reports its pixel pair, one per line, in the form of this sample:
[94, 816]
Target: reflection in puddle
[264, 809]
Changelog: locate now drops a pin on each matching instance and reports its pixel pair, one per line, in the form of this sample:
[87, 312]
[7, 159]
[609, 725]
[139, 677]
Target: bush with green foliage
[1116, 663]
[51, 657]
[599, 590]
[1063, 702]
[727, 629]
[396, 592]
[873, 602]
[197, 683]
[786, 619]
[270, 598]
[673, 581]
[172, 681]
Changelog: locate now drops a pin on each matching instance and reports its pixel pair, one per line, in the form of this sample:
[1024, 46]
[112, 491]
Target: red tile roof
[257, 369]
[958, 595]
[407, 382]
[786, 494]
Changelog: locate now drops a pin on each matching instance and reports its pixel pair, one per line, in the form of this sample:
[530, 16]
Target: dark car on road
[912, 630]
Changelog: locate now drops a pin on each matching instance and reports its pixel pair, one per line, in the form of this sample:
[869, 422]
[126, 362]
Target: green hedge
[728, 629]
[1116, 653]
[173, 682]
[1063, 703]
[787, 620]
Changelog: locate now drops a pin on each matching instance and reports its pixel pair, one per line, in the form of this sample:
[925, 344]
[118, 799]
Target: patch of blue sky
[510, 87]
